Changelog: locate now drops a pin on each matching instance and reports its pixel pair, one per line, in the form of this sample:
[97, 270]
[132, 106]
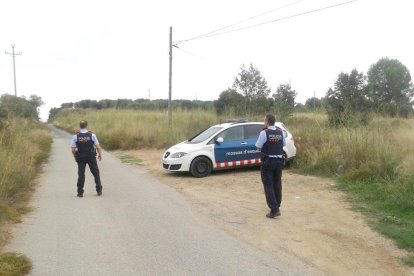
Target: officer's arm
[260, 141]
[73, 144]
[99, 150]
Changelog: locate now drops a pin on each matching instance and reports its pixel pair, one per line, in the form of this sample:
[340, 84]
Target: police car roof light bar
[236, 121]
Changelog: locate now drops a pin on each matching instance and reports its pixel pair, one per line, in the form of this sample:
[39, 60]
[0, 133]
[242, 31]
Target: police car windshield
[204, 135]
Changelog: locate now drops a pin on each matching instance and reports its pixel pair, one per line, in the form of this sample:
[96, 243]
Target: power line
[268, 22]
[188, 53]
[239, 22]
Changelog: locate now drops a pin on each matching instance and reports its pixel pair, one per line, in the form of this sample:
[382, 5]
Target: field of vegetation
[130, 129]
[24, 145]
[373, 163]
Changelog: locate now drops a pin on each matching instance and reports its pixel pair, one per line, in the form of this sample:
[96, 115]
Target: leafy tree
[284, 101]
[253, 86]
[11, 106]
[314, 103]
[299, 107]
[67, 105]
[36, 100]
[230, 102]
[347, 103]
[390, 88]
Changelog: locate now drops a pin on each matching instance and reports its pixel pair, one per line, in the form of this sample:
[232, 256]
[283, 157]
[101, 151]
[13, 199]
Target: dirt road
[317, 224]
[139, 226]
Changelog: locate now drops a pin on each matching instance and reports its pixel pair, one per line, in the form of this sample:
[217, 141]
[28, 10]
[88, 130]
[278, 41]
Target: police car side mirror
[220, 140]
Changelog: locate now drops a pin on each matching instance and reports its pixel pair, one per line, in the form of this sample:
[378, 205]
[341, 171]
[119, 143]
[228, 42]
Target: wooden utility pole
[13, 54]
[170, 84]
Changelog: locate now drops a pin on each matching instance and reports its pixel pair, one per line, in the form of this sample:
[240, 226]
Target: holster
[264, 159]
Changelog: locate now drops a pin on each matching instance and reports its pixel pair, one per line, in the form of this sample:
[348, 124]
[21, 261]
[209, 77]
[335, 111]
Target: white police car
[222, 146]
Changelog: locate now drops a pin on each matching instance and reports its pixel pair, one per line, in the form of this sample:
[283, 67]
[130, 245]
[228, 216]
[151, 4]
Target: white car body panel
[195, 150]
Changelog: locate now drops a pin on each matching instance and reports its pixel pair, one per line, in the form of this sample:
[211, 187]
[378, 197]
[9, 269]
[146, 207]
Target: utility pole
[314, 100]
[13, 54]
[170, 84]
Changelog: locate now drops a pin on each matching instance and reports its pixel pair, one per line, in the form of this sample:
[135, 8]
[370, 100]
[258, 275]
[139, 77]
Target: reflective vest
[274, 142]
[85, 144]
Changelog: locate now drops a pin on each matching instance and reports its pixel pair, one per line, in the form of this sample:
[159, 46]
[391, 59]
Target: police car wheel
[200, 167]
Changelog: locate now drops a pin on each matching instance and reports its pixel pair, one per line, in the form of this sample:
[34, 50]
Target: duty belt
[271, 156]
[275, 156]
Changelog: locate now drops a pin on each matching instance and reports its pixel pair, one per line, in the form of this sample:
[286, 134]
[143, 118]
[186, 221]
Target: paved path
[138, 227]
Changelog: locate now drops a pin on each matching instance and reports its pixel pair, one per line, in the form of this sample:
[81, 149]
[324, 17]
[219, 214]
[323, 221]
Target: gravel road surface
[138, 227]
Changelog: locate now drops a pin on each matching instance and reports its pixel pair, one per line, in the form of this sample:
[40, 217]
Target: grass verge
[388, 208]
[12, 264]
[129, 159]
[25, 146]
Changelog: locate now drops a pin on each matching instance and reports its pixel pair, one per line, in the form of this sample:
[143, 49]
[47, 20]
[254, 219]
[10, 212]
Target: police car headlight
[178, 154]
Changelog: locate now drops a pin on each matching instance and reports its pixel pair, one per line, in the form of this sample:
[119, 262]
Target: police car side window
[252, 131]
[231, 134]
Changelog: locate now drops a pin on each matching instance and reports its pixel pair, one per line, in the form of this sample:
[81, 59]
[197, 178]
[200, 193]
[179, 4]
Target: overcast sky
[90, 49]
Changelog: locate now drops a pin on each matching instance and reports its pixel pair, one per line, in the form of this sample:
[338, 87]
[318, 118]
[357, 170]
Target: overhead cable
[239, 22]
[264, 23]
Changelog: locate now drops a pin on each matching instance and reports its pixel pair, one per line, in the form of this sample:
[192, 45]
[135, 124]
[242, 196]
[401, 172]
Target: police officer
[270, 144]
[84, 146]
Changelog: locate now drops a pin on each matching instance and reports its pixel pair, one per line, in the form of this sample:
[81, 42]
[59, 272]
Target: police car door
[232, 148]
[251, 134]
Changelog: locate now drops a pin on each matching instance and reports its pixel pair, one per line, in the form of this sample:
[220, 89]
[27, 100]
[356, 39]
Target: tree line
[250, 95]
[386, 89]
[141, 104]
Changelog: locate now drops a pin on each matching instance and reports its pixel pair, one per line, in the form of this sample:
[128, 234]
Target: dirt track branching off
[373, 163]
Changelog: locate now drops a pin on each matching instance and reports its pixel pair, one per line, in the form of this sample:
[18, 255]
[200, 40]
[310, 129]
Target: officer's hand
[99, 158]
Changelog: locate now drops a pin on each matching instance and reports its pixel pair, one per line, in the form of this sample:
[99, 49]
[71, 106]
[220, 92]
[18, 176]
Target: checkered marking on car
[237, 163]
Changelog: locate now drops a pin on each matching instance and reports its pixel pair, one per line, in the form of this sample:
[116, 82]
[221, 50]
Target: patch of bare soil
[317, 223]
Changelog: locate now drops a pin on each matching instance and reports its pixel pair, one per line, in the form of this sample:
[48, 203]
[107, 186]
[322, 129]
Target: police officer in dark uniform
[84, 146]
[270, 144]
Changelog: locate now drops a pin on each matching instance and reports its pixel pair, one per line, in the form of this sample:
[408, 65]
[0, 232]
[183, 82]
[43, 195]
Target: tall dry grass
[24, 145]
[375, 164]
[128, 129]
[382, 151]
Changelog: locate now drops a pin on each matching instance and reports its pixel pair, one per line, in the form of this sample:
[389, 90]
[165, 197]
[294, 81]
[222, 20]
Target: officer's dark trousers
[271, 172]
[93, 166]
